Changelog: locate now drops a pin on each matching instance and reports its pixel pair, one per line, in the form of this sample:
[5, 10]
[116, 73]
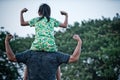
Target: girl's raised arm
[65, 23]
[22, 21]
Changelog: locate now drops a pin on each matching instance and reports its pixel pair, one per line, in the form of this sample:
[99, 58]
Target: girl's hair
[45, 11]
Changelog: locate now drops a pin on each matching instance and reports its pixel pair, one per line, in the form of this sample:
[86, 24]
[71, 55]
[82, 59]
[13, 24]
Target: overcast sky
[78, 10]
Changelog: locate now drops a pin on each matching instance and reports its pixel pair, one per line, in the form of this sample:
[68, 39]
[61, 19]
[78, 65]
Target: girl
[44, 30]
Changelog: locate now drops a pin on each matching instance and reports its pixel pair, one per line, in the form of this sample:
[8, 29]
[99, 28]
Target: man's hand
[8, 37]
[76, 37]
[24, 10]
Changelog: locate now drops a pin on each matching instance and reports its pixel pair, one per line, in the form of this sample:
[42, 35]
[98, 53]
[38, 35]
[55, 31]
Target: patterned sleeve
[32, 22]
[56, 23]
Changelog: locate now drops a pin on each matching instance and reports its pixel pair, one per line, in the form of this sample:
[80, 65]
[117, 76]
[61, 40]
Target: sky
[78, 10]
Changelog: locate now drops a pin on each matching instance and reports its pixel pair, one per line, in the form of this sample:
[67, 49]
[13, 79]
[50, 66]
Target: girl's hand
[76, 37]
[24, 10]
[63, 13]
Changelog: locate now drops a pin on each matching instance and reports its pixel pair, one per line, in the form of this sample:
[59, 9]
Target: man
[42, 65]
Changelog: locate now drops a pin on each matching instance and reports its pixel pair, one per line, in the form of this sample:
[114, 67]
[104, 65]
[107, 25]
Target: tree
[100, 51]
[10, 70]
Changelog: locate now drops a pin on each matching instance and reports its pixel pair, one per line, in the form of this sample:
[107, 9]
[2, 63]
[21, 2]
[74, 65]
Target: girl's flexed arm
[65, 23]
[22, 21]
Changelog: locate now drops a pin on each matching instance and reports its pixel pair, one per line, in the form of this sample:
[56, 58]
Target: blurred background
[96, 21]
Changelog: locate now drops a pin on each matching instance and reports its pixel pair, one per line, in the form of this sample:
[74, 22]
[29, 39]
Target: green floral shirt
[44, 34]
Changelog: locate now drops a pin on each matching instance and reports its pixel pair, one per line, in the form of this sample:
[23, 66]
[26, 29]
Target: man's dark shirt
[42, 65]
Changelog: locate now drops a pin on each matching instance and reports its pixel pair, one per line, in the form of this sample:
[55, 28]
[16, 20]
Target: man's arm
[25, 73]
[22, 21]
[58, 76]
[9, 51]
[76, 54]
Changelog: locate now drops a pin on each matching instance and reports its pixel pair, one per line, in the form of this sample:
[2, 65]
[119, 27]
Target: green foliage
[20, 44]
[9, 70]
[100, 55]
